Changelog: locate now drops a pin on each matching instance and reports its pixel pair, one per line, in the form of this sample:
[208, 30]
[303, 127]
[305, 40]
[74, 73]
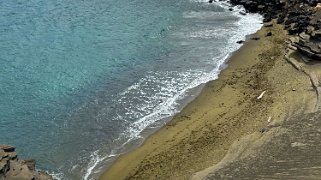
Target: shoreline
[191, 93]
[201, 134]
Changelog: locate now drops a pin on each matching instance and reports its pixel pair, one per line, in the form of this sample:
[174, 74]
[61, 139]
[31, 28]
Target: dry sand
[226, 110]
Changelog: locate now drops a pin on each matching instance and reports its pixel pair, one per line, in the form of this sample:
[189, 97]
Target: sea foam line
[169, 107]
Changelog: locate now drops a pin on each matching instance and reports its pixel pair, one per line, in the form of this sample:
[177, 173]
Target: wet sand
[226, 110]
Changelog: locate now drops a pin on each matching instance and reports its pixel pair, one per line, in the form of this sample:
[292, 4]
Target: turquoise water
[81, 79]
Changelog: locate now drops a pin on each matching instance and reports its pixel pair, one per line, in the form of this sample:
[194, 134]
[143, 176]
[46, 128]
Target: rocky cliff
[301, 18]
[13, 168]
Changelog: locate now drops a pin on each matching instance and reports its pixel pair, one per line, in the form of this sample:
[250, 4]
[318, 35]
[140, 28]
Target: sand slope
[226, 110]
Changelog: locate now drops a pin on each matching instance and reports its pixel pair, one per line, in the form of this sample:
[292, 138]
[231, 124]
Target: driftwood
[261, 95]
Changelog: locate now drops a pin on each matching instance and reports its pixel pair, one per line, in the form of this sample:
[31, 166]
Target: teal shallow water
[79, 79]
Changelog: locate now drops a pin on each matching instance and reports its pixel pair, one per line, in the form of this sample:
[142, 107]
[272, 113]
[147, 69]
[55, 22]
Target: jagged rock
[19, 171]
[309, 30]
[316, 34]
[297, 16]
[12, 155]
[318, 6]
[307, 45]
[304, 37]
[280, 19]
[7, 148]
[4, 167]
[2, 154]
[309, 53]
[13, 168]
[290, 20]
[267, 19]
[286, 27]
[31, 164]
[293, 31]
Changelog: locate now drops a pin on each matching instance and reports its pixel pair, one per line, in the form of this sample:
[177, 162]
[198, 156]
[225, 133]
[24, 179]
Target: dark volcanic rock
[308, 45]
[240, 42]
[293, 31]
[297, 16]
[281, 18]
[261, 7]
[13, 168]
[267, 19]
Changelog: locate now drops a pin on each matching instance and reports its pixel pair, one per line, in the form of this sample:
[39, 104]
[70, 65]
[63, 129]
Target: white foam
[94, 161]
[204, 14]
[56, 176]
[171, 86]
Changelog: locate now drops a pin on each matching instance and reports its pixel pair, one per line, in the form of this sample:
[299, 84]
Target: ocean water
[81, 80]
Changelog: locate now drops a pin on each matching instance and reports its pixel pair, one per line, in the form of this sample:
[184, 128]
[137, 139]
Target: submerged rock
[13, 168]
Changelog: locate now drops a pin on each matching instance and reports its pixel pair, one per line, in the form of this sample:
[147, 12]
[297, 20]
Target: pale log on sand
[261, 95]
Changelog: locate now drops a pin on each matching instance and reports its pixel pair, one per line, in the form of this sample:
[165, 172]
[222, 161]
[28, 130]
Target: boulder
[260, 7]
[290, 20]
[293, 31]
[280, 19]
[268, 18]
[269, 34]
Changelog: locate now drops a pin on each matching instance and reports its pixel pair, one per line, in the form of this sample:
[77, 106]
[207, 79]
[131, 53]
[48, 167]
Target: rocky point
[13, 168]
[301, 18]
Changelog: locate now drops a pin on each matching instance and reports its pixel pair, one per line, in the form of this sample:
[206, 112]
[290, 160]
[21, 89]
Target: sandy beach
[257, 90]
